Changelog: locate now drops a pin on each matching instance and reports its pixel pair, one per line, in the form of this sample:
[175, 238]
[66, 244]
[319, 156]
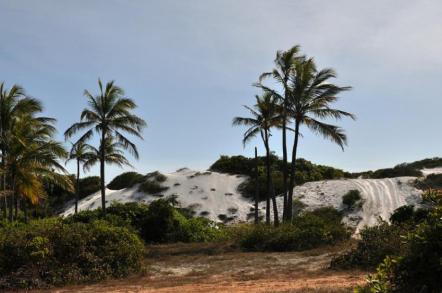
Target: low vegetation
[308, 230]
[433, 181]
[125, 180]
[352, 200]
[51, 252]
[306, 171]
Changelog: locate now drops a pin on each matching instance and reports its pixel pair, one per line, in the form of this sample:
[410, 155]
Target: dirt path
[210, 268]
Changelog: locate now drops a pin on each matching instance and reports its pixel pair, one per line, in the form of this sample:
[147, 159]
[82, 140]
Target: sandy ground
[211, 268]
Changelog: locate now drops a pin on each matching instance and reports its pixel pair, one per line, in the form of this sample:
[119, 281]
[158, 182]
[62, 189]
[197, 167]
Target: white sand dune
[427, 172]
[212, 194]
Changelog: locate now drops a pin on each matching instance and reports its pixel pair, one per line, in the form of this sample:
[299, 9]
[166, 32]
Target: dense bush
[158, 222]
[308, 230]
[374, 245]
[125, 180]
[305, 172]
[50, 252]
[433, 181]
[152, 187]
[57, 197]
[397, 171]
[163, 223]
[408, 214]
[352, 199]
[419, 268]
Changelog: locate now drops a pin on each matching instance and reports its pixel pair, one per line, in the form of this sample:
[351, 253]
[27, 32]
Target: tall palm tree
[13, 104]
[311, 96]
[32, 158]
[285, 62]
[108, 115]
[264, 116]
[81, 152]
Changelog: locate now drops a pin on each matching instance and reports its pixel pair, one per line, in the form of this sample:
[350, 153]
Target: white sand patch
[427, 172]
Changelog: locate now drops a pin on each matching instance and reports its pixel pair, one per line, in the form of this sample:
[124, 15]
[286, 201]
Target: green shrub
[352, 200]
[163, 223]
[402, 214]
[125, 180]
[156, 176]
[408, 214]
[432, 181]
[306, 171]
[374, 245]
[419, 268]
[309, 230]
[397, 171]
[152, 187]
[50, 252]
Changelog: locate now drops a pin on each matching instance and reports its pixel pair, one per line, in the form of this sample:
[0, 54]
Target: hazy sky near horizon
[190, 66]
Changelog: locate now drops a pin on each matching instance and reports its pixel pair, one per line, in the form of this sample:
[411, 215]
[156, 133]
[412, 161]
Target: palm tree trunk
[284, 167]
[25, 209]
[102, 179]
[16, 206]
[77, 189]
[256, 187]
[292, 174]
[268, 175]
[3, 184]
[270, 190]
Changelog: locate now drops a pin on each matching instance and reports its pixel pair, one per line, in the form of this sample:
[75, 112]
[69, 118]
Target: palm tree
[114, 154]
[284, 65]
[32, 158]
[311, 95]
[265, 115]
[80, 152]
[109, 115]
[13, 104]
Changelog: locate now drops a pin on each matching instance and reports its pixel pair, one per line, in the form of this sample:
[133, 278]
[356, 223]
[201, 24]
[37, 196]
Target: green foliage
[352, 199]
[152, 187]
[374, 245]
[156, 176]
[306, 172]
[163, 223]
[50, 252]
[419, 268]
[89, 185]
[158, 222]
[308, 230]
[125, 180]
[402, 214]
[432, 181]
[404, 169]
[58, 196]
[408, 214]
[426, 163]
[397, 171]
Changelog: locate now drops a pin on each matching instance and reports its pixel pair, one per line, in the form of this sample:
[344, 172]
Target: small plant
[222, 217]
[232, 210]
[125, 180]
[156, 176]
[352, 200]
[152, 187]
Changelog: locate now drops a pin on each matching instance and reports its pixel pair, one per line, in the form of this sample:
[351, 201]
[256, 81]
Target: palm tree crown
[109, 115]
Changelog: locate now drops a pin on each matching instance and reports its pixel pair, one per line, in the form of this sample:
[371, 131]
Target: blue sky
[190, 65]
